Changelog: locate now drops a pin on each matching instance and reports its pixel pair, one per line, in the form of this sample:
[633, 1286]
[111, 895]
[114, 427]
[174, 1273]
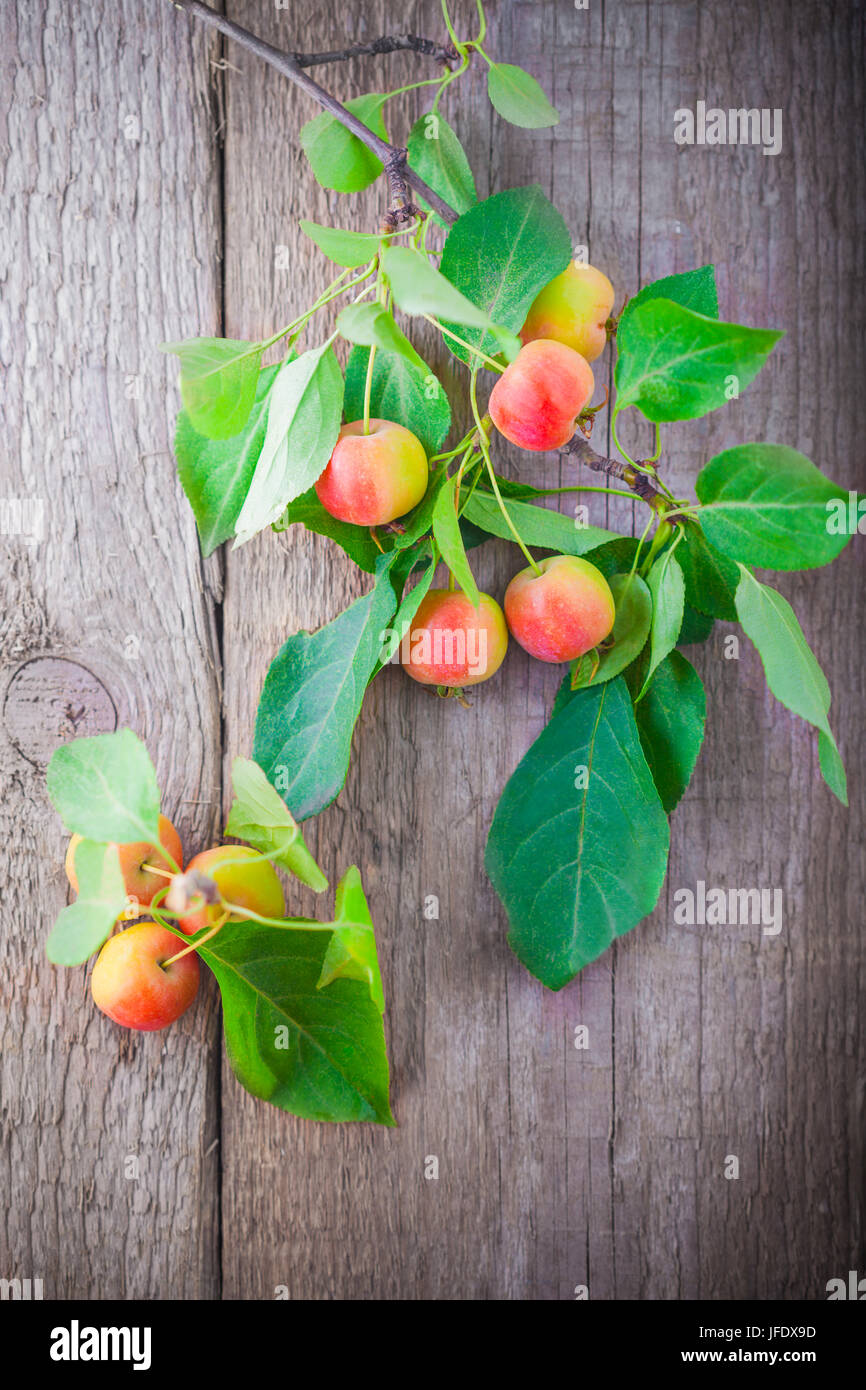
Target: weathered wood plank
[560, 1167]
[110, 244]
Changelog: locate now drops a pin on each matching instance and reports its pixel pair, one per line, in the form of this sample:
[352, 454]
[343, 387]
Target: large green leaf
[518, 98]
[316, 1052]
[218, 378]
[711, 578]
[312, 698]
[667, 588]
[792, 672]
[216, 473]
[105, 788]
[670, 721]
[693, 289]
[82, 927]
[338, 158]
[500, 254]
[674, 364]
[766, 505]
[306, 404]
[261, 817]
[438, 158]
[539, 526]
[400, 393]
[578, 846]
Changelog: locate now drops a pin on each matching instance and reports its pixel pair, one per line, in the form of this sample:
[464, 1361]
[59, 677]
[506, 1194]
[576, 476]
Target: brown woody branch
[290, 67]
[639, 483]
[389, 43]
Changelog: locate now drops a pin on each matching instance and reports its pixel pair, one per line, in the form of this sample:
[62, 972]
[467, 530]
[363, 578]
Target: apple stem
[195, 945]
[152, 869]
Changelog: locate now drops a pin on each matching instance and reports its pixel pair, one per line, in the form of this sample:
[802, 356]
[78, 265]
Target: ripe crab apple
[244, 877]
[131, 984]
[139, 882]
[573, 309]
[375, 477]
[561, 613]
[536, 401]
[453, 644]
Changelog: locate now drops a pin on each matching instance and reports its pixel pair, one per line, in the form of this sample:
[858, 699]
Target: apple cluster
[143, 977]
[556, 610]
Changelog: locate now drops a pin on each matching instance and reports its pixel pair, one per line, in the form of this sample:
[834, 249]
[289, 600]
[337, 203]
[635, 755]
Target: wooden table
[152, 176]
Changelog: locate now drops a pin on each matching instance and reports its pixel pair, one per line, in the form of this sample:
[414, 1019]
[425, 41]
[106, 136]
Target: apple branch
[393, 158]
[389, 43]
[639, 483]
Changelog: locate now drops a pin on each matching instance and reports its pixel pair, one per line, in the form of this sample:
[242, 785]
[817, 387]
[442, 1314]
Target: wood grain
[110, 244]
[558, 1168]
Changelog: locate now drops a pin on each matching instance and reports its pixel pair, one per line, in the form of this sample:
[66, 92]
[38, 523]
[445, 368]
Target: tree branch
[289, 66]
[389, 43]
[638, 482]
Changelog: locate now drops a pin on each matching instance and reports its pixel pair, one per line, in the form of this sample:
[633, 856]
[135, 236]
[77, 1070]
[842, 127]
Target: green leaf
[539, 526]
[351, 249]
[216, 474]
[578, 846]
[351, 953]
[670, 721]
[402, 621]
[337, 158]
[260, 816]
[674, 364]
[711, 578]
[400, 393]
[82, 927]
[766, 505]
[105, 788]
[318, 1053]
[693, 289]
[518, 98]
[696, 627]
[500, 254]
[218, 379]
[372, 325]
[357, 542]
[631, 628]
[446, 530]
[667, 588]
[304, 415]
[793, 675]
[419, 288]
[438, 158]
[312, 698]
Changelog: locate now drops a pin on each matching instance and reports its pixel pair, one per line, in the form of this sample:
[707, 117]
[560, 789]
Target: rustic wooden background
[151, 174]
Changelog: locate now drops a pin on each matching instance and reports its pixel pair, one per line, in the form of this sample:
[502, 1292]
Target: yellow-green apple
[244, 878]
[573, 309]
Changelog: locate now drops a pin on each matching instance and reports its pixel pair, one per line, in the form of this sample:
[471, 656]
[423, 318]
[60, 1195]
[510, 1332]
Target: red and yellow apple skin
[244, 877]
[536, 401]
[573, 309]
[561, 613]
[453, 644]
[138, 881]
[373, 478]
[130, 985]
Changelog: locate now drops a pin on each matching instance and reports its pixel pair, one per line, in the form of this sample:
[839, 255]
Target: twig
[288, 65]
[638, 482]
[389, 43]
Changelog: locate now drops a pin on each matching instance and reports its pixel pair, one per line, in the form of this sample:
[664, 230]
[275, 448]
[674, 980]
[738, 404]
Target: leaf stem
[494, 366]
